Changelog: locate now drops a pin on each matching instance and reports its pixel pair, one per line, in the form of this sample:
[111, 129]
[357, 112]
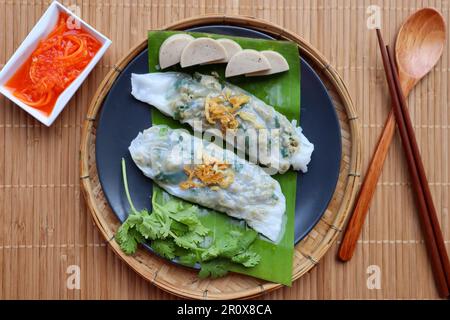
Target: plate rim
[351, 176]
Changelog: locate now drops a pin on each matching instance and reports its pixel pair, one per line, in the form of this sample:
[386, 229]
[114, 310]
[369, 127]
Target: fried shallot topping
[211, 173]
[223, 108]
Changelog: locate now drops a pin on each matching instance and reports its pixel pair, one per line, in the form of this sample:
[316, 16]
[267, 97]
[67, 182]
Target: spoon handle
[365, 195]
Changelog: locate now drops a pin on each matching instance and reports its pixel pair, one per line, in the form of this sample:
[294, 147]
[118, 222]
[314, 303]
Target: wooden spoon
[418, 48]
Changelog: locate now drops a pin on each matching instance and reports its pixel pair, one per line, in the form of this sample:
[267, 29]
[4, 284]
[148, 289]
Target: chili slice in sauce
[53, 65]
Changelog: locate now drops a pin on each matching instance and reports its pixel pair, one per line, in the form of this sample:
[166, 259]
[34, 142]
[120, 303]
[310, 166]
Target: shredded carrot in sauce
[210, 173]
[54, 64]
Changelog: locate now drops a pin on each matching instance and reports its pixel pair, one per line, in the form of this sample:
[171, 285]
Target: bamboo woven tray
[183, 281]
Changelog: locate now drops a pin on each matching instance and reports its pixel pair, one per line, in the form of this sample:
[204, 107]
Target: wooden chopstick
[426, 222]
[422, 176]
[355, 224]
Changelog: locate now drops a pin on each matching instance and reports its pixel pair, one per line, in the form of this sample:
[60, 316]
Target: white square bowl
[42, 28]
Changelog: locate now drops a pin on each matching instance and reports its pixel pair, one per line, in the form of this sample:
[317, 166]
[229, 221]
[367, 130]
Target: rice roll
[228, 112]
[203, 173]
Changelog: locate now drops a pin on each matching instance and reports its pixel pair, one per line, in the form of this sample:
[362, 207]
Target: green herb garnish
[214, 269]
[174, 230]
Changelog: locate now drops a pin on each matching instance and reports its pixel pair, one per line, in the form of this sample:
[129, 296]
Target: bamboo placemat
[45, 227]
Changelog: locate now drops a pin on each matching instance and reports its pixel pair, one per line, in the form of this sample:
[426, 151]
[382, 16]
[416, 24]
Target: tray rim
[318, 62]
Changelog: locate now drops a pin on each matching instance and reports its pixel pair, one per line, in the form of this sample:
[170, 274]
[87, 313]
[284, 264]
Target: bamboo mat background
[44, 223]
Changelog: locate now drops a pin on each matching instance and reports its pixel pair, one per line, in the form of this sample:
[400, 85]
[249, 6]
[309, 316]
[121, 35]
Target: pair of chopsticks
[430, 225]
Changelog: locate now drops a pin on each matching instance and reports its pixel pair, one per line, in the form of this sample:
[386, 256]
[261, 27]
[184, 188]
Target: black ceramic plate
[122, 117]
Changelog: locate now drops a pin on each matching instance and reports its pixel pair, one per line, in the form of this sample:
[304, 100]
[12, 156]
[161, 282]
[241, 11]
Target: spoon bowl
[419, 46]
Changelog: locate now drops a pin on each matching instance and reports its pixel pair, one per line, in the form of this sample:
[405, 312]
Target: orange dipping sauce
[53, 65]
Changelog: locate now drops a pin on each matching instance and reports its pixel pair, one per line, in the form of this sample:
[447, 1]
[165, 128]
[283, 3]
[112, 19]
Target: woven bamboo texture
[46, 226]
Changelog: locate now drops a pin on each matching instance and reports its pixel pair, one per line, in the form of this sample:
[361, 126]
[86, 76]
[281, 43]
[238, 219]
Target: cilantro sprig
[175, 231]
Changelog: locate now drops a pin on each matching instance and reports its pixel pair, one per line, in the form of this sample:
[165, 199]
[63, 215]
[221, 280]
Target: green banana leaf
[281, 91]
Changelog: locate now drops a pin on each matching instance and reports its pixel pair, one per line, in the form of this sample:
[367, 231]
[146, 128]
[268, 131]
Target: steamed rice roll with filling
[230, 112]
[203, 173]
